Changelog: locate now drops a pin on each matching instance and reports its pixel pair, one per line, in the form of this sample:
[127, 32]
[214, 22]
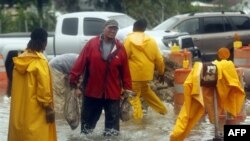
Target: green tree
[156, 11]
[67, 5]
[25, 16]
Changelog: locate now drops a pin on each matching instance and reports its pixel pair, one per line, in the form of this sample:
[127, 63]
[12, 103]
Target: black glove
[50, 114]
[161, 78]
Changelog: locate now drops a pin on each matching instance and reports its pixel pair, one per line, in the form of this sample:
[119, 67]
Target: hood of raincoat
[139, 39]
[26, 60]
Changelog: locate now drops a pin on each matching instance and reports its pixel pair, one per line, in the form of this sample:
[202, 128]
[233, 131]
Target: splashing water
[153, 127]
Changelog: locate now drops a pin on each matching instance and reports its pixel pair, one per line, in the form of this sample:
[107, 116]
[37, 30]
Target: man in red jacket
[104, 63]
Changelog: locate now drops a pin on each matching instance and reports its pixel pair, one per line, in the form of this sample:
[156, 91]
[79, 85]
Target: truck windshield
[123, 20]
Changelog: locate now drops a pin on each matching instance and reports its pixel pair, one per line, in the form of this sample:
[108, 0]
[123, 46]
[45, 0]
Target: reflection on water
[154, 127]
[4, 117]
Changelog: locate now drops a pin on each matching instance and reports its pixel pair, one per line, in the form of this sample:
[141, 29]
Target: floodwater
[154, 127]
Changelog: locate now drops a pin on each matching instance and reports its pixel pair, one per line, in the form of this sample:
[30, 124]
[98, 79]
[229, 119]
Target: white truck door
[66, 38]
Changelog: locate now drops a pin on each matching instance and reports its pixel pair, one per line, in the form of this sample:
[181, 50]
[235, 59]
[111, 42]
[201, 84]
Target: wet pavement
[154, 127]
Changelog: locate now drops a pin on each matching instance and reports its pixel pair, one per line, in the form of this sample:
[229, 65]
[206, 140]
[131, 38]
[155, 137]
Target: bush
[21, 20]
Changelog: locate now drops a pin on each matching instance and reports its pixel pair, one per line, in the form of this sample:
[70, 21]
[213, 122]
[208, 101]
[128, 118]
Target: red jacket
[105, 78]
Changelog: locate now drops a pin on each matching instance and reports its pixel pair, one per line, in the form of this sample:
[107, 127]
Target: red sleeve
[79, 66]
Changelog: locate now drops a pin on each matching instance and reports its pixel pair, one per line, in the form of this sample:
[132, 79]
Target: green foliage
[156, 11]
[24, 18]
[4, 21]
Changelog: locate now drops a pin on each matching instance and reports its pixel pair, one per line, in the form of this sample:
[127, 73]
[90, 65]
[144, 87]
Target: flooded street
[154, 127]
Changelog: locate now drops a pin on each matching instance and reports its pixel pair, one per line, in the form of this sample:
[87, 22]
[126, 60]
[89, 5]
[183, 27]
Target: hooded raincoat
[31, 93]
[144, 58]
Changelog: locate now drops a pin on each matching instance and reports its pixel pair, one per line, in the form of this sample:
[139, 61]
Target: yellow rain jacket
[31, 92]
[193, 108]
[144, 56]
[231, 93]
[231, 98]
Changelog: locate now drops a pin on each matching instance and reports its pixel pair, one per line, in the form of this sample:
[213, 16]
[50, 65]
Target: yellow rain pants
[142, 89]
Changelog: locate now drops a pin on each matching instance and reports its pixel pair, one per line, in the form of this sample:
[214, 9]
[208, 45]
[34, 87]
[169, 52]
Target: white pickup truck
[72, 32]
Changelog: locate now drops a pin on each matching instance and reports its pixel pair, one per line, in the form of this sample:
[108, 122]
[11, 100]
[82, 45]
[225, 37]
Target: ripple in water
[154, 127]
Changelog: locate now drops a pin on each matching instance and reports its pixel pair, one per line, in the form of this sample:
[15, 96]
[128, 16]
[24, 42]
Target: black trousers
[91, 112]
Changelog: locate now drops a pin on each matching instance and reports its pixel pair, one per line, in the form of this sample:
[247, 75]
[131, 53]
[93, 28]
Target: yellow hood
[25, 61]
[139, 39]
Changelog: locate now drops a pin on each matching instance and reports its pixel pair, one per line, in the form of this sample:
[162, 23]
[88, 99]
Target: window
[93, 26]
[191, 26]
[241, 23]
[227, 25]
[69, 26]
[213, 24]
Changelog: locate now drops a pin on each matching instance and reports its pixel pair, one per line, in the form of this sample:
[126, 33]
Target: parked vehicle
[184, 41]
[72, 32]
[211, 30]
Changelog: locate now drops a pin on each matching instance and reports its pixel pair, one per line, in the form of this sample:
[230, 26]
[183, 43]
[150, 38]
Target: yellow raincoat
[31, 92]
[231, 97]
[193, 108]
[231, 93]
[144, 57]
